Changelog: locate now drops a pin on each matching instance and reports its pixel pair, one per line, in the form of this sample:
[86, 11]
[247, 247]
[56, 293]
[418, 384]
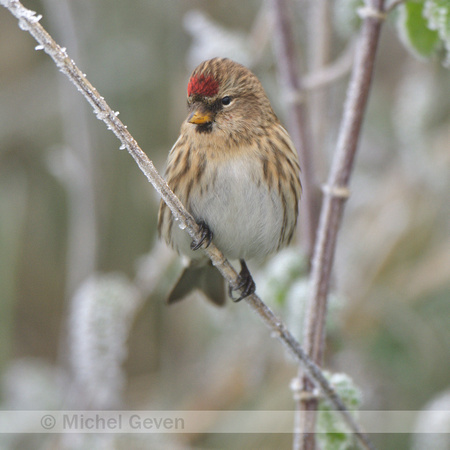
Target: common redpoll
[235, 169]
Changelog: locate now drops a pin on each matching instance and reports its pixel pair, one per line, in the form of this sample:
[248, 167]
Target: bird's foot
[206, 236]
[245, 284]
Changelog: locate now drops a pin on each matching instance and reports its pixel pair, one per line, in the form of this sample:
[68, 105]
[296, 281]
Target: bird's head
[224, 96]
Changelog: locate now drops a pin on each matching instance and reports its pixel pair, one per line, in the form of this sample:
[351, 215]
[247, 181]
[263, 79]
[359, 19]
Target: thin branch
[332, 72]
[28, 21]
[336, 192]
[318, 43]
[301, 132]
[318, 50]
[287, 65]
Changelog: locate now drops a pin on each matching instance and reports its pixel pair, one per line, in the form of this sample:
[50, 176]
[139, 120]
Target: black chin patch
[204, 127]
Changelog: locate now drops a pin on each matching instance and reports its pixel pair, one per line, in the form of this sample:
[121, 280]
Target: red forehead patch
[201, 85]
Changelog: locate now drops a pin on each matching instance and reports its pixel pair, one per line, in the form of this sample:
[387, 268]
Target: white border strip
[124, 422]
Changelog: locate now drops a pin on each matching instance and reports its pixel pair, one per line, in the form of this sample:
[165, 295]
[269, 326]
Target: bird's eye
[226, 100]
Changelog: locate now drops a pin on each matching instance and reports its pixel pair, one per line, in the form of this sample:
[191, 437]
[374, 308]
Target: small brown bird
[235, 169]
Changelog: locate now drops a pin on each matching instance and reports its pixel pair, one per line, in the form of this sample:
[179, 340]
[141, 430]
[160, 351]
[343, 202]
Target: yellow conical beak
[199, 118]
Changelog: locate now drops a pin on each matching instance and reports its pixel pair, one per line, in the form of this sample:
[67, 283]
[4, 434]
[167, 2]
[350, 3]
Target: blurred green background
[74, 208]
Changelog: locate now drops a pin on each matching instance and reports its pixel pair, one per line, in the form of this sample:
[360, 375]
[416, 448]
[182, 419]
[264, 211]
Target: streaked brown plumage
[235, 169]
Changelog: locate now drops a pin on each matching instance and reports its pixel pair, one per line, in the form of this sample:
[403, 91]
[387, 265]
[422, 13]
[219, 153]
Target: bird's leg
[206, 236]
[245, 282]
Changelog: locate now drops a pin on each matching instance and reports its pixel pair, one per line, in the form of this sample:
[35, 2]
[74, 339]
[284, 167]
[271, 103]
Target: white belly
[245, 219]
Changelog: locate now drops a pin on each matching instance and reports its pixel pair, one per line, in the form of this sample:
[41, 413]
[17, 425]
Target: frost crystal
[39, 47]
[28, 17]
[102, 115]
[23, 25]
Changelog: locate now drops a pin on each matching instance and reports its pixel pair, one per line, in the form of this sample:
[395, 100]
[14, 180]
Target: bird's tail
[205, 278]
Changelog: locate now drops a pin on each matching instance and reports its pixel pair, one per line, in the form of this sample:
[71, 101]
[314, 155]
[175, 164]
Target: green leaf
[437, 14]
[333, 433]
[415, 31]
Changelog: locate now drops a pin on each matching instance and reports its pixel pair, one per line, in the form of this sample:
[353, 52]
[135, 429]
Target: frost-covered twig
[336, 190]
[28, 21]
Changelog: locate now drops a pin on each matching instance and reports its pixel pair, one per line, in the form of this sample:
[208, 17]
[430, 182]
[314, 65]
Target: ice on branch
[26, 17]
[102, 115]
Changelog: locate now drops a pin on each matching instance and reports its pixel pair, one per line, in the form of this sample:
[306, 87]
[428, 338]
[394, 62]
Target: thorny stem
[335, 194]
[287, 64]
[28, 21]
